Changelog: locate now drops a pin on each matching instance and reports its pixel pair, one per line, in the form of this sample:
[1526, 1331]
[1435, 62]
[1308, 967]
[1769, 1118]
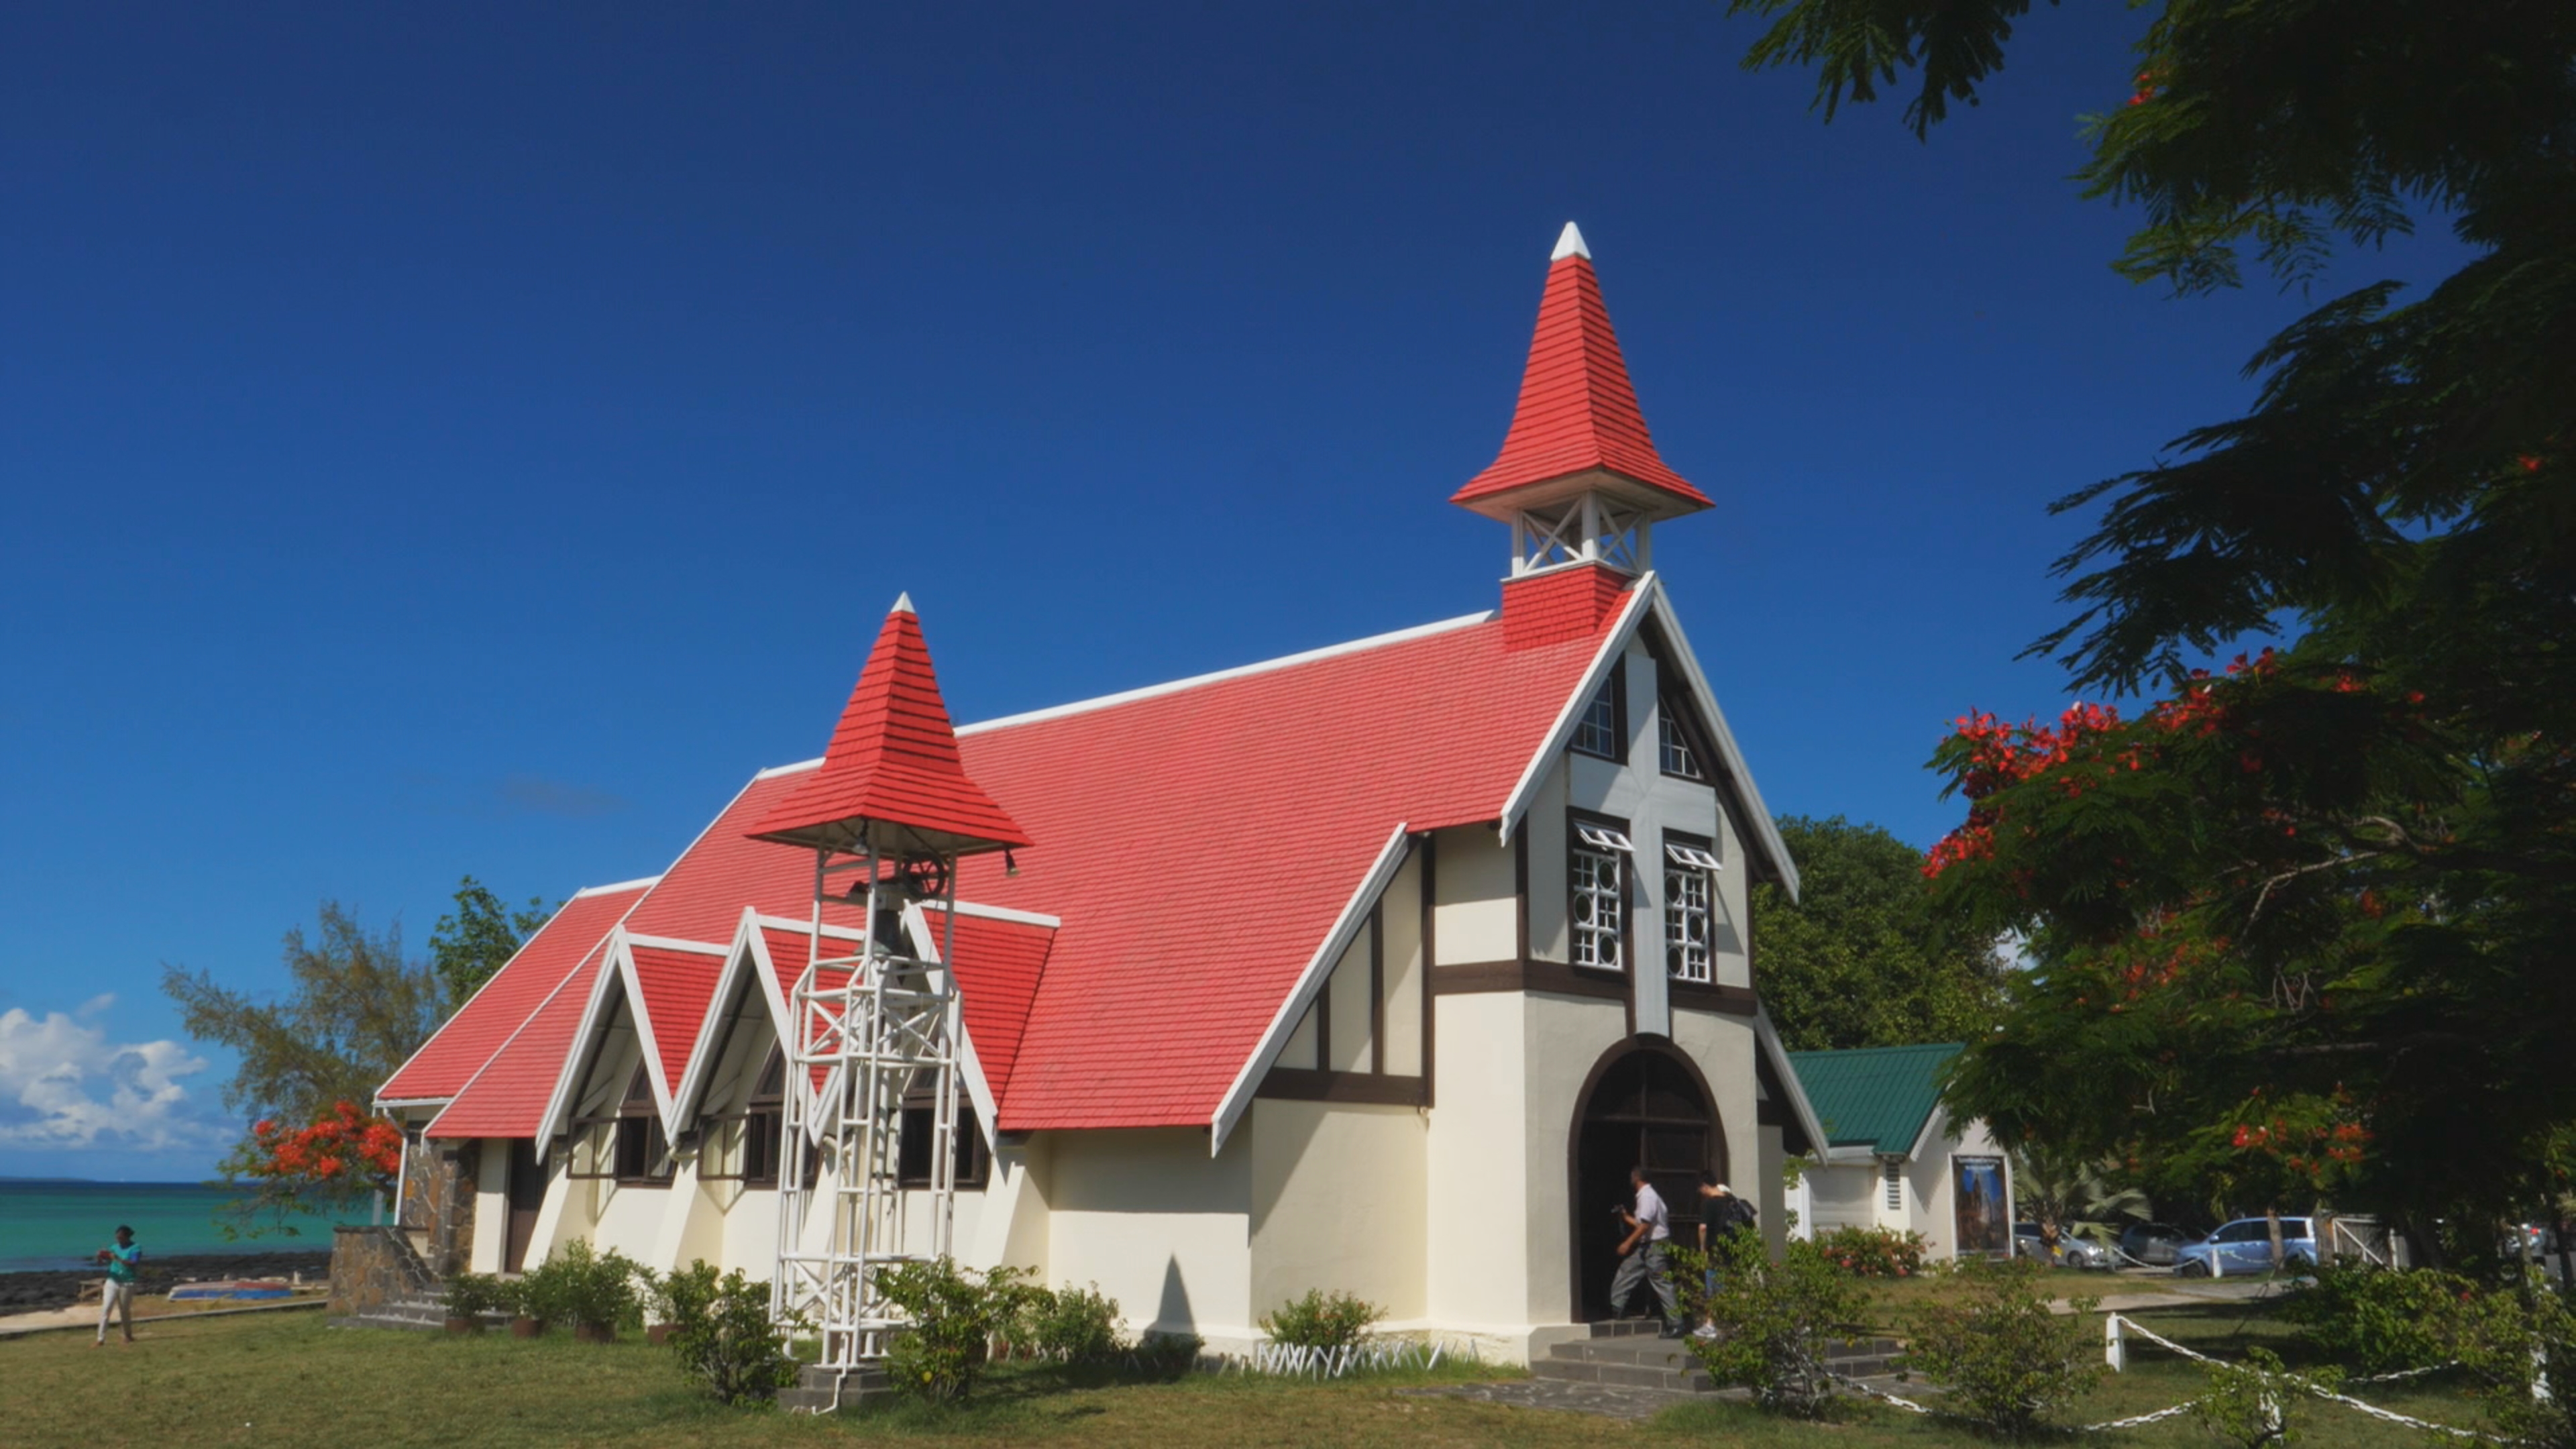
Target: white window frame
[1690, 909]
[1673, 747]
[1597, 732]
[1602, 837]
[1596, 903]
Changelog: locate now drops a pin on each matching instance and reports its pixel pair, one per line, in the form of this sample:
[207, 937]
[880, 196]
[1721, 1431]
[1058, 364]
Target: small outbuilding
[1894, 1156]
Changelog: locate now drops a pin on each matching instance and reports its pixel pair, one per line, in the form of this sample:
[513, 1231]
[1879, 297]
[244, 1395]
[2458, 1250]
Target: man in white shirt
[1641, 1254]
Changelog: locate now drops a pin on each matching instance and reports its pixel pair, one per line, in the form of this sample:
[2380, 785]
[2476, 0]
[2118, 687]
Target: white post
[2115, 1349]
[2217, 1260]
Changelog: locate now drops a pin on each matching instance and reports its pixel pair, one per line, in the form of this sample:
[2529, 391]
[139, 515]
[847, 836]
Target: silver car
[2072, 1251]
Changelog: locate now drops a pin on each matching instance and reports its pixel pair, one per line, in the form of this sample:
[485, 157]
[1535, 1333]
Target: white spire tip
[903, 603]
[1569, 243]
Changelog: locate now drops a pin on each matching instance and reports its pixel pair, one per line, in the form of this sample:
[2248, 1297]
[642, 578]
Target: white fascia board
[640, 883]
[1844, 1156]
[1937, 1120]
[633, 885]
[497, 1053]
[594, 1014]
[647, 1039]
[1561, 733]
[674, 943]
[925, 947]
[684, 1097]
[798, 768]
[1768, 1037]
[804, 927]
[1286, 661]
[999, 913]
[1238, 1097]
[1766, 831]
[386, 1103]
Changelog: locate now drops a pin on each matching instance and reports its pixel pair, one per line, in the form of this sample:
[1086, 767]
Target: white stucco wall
[1475, 912]
[1159, 1225]
[1475, 1274]
[1338, 1202]
[491, 1206]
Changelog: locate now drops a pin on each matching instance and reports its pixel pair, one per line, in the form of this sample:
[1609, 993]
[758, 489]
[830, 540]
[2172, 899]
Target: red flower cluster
[2147, 89]
[2001, 756]
[343, 1145]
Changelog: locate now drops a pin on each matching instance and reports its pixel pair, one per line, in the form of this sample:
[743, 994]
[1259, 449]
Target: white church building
[1372, 968]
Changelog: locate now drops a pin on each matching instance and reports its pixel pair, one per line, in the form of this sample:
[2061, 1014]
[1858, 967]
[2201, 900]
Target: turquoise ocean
[52, 1225]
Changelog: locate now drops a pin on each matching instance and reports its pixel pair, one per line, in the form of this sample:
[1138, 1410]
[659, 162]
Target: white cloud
[63, 1084]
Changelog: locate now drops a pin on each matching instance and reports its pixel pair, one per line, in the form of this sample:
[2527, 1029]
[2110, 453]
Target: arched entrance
[1645, 1102]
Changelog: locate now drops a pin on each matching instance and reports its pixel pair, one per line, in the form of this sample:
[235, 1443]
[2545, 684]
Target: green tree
[353, 1012]
[1859, 960]
[478, 938]
[2302, 927]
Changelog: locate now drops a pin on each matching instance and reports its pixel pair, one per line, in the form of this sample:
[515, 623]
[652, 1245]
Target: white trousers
[115, 1300]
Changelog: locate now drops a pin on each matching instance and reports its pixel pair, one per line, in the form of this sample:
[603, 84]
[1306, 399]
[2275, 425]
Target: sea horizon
[51, 1224]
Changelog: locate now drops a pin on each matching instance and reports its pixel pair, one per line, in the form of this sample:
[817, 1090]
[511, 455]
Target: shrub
[2257, 1403]
[1169, 1353]
[471, 1295]
[2378, 1320]
[955, 1313]
[1774, 1320]
[1874, 1252]
[2005, 1358]
[1072, 1325]
[722, 1334]
[1322, 1320]
[578, 1286]
[2518, 1345]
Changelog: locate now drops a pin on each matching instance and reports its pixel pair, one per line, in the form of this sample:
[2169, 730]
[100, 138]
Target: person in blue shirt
[116, 1295]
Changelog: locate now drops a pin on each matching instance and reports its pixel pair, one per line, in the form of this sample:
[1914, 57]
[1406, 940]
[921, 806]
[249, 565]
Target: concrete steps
[1629, 1353]
[412, 1312]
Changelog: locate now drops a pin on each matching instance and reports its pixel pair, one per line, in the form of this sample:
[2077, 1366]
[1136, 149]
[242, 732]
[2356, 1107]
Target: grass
[289, 1379]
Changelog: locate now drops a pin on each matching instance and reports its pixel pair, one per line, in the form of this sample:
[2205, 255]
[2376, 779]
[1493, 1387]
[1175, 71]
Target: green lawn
[288, 1380]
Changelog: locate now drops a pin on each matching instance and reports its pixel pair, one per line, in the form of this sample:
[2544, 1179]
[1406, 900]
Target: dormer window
[1602, 729]
[628, 1145]
[1674, 744]
[742, 1146]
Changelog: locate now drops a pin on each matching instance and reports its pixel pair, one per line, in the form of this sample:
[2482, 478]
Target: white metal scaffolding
[869, 1030]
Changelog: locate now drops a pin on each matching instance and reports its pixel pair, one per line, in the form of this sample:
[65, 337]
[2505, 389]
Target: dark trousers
[1645, 1268]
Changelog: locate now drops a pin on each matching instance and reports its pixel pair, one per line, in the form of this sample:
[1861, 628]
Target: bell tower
[1578, 478]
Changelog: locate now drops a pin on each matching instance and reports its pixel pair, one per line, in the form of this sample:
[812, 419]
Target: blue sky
[474, 439]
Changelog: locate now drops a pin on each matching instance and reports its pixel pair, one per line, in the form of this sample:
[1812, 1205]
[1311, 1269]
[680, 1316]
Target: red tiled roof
[1202, 840]
[1201, 843]
[999, 964]
[892, 761]
[460, 1048]
[1577, 410]
[509, 1097]
[1562, 603]
[675, 987]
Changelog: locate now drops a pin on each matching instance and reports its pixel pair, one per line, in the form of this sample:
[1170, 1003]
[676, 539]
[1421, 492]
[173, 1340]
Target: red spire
[892, 775]
[1577, 413]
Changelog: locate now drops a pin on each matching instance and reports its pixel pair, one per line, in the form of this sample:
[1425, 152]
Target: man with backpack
[1722, 1215]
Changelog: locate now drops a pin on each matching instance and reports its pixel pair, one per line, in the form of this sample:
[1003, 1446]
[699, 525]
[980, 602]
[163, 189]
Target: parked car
[2245, 1246]
[2155, 1244]
[2072, 1251]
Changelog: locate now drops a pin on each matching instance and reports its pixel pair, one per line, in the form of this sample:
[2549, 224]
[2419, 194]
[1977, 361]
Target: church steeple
[1578, 477]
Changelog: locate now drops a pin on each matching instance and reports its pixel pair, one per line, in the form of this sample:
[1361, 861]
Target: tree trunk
[2272, 1225]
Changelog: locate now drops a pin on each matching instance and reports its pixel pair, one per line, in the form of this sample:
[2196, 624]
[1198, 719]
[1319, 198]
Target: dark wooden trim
[1617, 684]
[1713, 996]
[1293, 1084]
[1520, 890]
[1527, 975]
[1324, 1018]
[1430, 857]
[1377, 989]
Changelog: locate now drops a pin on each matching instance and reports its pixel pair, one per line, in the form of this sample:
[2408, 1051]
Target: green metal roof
[1874, 1097]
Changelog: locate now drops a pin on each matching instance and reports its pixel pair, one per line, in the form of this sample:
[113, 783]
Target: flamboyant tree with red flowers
[2305, 925]
[337, 1158]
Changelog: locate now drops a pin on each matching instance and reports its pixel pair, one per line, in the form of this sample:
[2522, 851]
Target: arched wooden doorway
[1645, 1102]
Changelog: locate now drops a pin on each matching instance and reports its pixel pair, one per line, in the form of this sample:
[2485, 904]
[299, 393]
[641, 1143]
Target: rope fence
[2116, 1330]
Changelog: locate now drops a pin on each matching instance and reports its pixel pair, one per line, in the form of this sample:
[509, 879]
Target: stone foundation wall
[438, 1201]
[373, 1266]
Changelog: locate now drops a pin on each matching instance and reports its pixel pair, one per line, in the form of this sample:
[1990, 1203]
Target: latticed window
[1688, 888]
[1597, 733]
[1895, 1186]
[1595, 902]
[1678, 756]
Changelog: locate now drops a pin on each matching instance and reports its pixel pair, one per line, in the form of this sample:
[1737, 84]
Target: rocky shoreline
[23, 1292]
